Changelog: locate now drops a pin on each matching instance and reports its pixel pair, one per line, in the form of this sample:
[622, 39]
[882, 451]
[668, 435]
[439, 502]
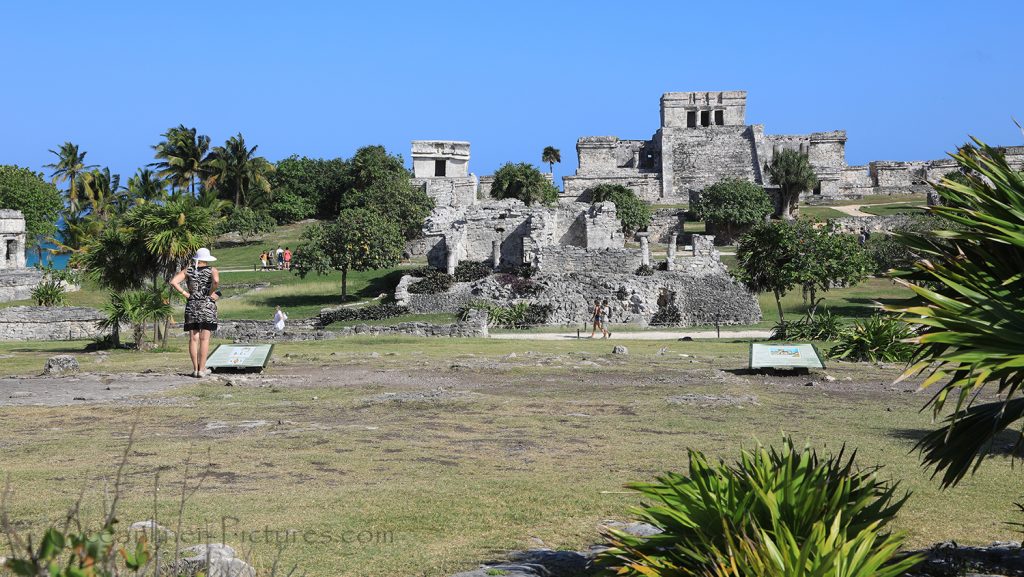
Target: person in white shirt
[279, 318]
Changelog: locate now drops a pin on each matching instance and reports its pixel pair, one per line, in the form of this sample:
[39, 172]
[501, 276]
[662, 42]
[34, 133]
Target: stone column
[495, 253]
[672, 251]
[645, 249]
[3, 253]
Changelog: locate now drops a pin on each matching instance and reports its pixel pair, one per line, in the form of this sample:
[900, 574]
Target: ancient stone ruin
[577, 250]
[704, 138]
[16, 280]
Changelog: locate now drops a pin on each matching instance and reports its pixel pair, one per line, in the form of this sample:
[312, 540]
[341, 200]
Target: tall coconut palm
[182, 157]
[237, 171]
[103, 193]
[971, 310]
[792, 173]
[551, 155]
[69, 167]
[147, 186]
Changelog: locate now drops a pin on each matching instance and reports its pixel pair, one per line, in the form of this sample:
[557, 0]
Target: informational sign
[783, 356]
[239, 357]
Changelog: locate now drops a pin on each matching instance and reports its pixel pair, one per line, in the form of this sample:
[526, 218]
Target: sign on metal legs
[799, 356]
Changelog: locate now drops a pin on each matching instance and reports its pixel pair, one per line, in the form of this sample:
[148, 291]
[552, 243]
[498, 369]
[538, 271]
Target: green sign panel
[803, 356]
[239, 357]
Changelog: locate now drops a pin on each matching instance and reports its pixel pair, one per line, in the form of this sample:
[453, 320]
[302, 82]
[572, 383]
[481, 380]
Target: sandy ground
[639, 335]
[88, 387]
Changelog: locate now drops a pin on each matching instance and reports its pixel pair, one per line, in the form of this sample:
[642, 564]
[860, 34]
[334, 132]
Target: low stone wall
[49, 323]
[886, 223]
[17, 284]
[664, 223]
[457, 297]
[475, 326]
[563, 259]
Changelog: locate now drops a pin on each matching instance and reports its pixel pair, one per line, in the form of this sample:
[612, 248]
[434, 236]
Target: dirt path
[640, 335]
[855, 209]
[89, 388]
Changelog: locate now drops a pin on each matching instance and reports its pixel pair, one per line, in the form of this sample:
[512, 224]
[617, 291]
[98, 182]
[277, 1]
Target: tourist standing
[279, 318]
[595, 317]
[200, 306]
[263, 260]
[280, 257]
[287, 258]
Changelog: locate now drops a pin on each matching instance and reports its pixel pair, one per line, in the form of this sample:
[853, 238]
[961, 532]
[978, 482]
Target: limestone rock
[60, 364]
[620, 350]
[223, 562]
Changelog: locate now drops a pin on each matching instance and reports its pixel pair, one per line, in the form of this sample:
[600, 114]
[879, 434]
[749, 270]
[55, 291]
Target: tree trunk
[814, 301]
[238, 194]
[344, 284]
[785, 204]
[778, 303]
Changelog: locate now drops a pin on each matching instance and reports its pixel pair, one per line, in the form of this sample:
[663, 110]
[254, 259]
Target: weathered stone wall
[885, 223]
[571, 259]
[676, 106]
[49, 323]
[17, 284]
[426, 153]
[449, 191]
[12, 239]
[475, 326]
[703, 156]
[647, 186]
[452, 301]
[664, 223]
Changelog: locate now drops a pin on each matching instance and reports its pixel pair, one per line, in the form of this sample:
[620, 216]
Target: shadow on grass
[1003, 443]
[382, 284]
[861, 307]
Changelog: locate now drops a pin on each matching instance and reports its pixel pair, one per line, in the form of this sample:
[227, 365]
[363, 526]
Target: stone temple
[577, 250]
[16, 281]
[704, 137]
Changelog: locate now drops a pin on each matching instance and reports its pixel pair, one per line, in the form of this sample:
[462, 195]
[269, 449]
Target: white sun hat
[204, 255]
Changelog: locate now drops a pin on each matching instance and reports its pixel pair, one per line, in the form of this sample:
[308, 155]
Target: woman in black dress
[200, 306]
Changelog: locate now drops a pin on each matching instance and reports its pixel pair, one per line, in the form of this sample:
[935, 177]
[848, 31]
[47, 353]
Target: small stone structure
[16, 281]
[49, 323]
[704, 138]
[474, 326]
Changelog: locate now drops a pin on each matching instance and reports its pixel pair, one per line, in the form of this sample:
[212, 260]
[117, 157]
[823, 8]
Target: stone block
[60, 365]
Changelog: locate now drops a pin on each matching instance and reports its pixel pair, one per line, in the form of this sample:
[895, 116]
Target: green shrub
[644, 270]
[668, 315]
[246, 222]
[524, 182]
[519, 286]
[50, 292]
[823, 326]
[469, 271]
[880, 338]
[731, 206]
[377, 312]
[777, 513]
[434, 282]
[516, 316]
[634, 213]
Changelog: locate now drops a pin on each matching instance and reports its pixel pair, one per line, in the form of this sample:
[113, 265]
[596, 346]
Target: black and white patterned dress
[200, 310]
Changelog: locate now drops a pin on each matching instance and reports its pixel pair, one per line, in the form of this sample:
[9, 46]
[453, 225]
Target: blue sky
[907, 80]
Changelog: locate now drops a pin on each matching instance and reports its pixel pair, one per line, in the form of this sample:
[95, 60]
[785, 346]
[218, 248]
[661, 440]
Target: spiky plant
[970, 284]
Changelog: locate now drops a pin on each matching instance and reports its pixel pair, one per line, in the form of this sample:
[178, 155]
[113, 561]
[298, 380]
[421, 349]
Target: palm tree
[971, 309]
[69, 166]
[102, 190]
[793, 174]
[551, 155]
[236, 170]
[182, 157]
[147, 186]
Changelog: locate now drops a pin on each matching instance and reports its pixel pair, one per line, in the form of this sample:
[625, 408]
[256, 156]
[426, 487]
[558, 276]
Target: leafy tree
[971, 304]
[24, 190]
[247, 223]
[116, 259]
[236, 170]
[305, 187]
[634, 213]
[379, 181]
[69, 166]
[360, 239]
[182, 157]
[778, 256]
[793, 174]
[767, 259]
[134, 307]
[732, 206]
[551, 155]
[524, 182]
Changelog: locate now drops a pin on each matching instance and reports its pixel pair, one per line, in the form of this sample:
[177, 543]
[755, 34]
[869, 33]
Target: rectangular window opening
[439, 167]
[719, 118]
[12, 247]
[705, 118]
[691, 119]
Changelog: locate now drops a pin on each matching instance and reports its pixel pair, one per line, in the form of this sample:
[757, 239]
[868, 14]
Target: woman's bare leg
[193, 349]
[204, 348]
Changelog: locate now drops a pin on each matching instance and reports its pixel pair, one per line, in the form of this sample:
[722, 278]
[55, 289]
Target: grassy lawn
[820, 213]
[884, 199]
[888, 209]
[853, 302]
[500, 454]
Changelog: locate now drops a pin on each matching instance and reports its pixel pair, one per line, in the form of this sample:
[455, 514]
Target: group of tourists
[864, 235]
[280, 259]
[600, 315]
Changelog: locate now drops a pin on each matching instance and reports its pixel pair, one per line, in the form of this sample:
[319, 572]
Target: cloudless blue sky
[907, 80]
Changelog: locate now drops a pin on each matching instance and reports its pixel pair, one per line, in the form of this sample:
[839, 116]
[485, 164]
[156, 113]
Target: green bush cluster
[668, 315]
[515, 316]
[519, 286]
[774, 513]
[644, 270]
[434, 282]
[370, 313]
[823, 326]
[469, 271]
[880, 338]
[634, 213]
[246, 222]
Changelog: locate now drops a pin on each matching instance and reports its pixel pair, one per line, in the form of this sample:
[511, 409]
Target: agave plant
[970, 284]
[776, 512]
[880, 338]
